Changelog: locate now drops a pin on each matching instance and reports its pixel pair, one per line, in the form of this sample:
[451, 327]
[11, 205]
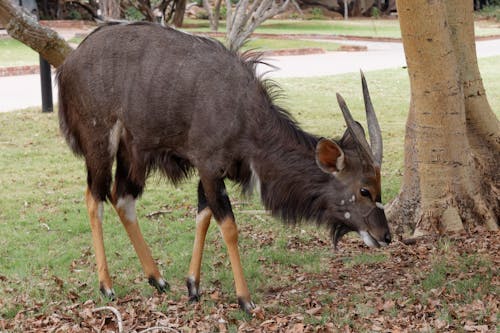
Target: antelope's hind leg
[124, 196]
[99, 180]
[218, 201]
[95, 211]
[203, 218]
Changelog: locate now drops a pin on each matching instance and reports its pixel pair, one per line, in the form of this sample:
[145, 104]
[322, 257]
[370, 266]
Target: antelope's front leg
[229, 232]
[212, 193]
[95, 211]
[193, 280]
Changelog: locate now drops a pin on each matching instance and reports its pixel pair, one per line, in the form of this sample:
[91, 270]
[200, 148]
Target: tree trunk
[452, 142]
[110, 9]
[24, 28]
[247, 16]
[362, 7]
[213, 13]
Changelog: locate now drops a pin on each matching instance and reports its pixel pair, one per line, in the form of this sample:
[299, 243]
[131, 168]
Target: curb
[19, 70]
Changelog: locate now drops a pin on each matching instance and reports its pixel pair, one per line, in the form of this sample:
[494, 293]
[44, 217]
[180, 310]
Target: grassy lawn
[269, 44]
[375, 28]
[15, 53]
[360, 28]
[47, 264]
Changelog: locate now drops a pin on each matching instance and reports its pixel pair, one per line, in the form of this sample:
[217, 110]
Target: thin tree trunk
[24, 28]
[452, 139]
[213, 13]
[110, 9]
[247, 16]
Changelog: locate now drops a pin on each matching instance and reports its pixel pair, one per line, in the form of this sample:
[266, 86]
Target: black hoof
[107, 293]
[194, 298]
[161, 285]
[246, 305]
[193, 290]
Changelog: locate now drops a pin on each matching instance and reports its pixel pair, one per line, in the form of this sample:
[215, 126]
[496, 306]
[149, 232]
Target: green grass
[489, 12]
[45, 235]
[365, 259]
[15, 53]
[376, 28]
[373, 28]
[266, 44]
[357, 27]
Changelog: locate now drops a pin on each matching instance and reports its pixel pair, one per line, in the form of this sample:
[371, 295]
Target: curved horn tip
[340, 99]
[363, 80]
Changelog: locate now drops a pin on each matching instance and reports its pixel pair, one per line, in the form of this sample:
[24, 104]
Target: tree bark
[24, 28]
[110, 9]
[247, 16]
[213, 13]
[452, 142]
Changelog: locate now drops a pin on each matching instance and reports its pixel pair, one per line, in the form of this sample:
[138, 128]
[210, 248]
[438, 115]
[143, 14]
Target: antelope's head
[354, 166]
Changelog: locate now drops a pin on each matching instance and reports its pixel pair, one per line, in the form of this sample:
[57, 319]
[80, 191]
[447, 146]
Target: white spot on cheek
[347, 215]
[353, 198]
[342, 202]
[127, 205]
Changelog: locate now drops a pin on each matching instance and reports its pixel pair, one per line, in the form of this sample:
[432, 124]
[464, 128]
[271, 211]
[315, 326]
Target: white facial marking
[379, 205]
[127, 205]
[347, 215]
[342, 202]
[365, 236]
[100, 211]
[114, 137]
[353, 198]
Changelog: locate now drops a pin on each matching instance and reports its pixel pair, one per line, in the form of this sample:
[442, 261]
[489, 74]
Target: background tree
[452, 144]
[164, 11]
[247, 16]
[213, 13]
[110, 9]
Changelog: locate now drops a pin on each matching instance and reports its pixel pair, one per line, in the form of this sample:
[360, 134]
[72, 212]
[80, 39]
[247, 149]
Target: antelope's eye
[365, 192]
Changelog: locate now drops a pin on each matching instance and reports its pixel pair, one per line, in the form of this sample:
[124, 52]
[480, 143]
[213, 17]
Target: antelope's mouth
[370, 240]
[341, 229]
[338, 232]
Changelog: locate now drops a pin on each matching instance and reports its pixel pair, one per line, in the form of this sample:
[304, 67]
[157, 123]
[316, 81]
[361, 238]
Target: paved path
[24, 91]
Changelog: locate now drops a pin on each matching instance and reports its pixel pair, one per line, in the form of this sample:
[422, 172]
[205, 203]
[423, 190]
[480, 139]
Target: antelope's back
[159, 82]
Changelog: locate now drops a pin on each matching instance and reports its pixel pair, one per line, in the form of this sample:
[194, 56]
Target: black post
[46, 83]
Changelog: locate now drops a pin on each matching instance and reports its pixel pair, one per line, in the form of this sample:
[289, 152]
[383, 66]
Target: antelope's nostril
[387, 237]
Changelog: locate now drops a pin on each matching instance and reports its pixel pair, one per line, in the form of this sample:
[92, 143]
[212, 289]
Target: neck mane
[284, 162]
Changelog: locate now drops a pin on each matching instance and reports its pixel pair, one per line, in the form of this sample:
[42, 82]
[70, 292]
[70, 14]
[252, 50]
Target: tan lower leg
[95, 209]
[202, 224]
[125, 207]
[230, 235]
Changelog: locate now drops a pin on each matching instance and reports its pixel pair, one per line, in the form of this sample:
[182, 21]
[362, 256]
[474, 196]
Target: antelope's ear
[329, 156]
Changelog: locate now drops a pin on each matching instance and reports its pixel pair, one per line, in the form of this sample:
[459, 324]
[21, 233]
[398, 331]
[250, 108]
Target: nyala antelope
[153, 98]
